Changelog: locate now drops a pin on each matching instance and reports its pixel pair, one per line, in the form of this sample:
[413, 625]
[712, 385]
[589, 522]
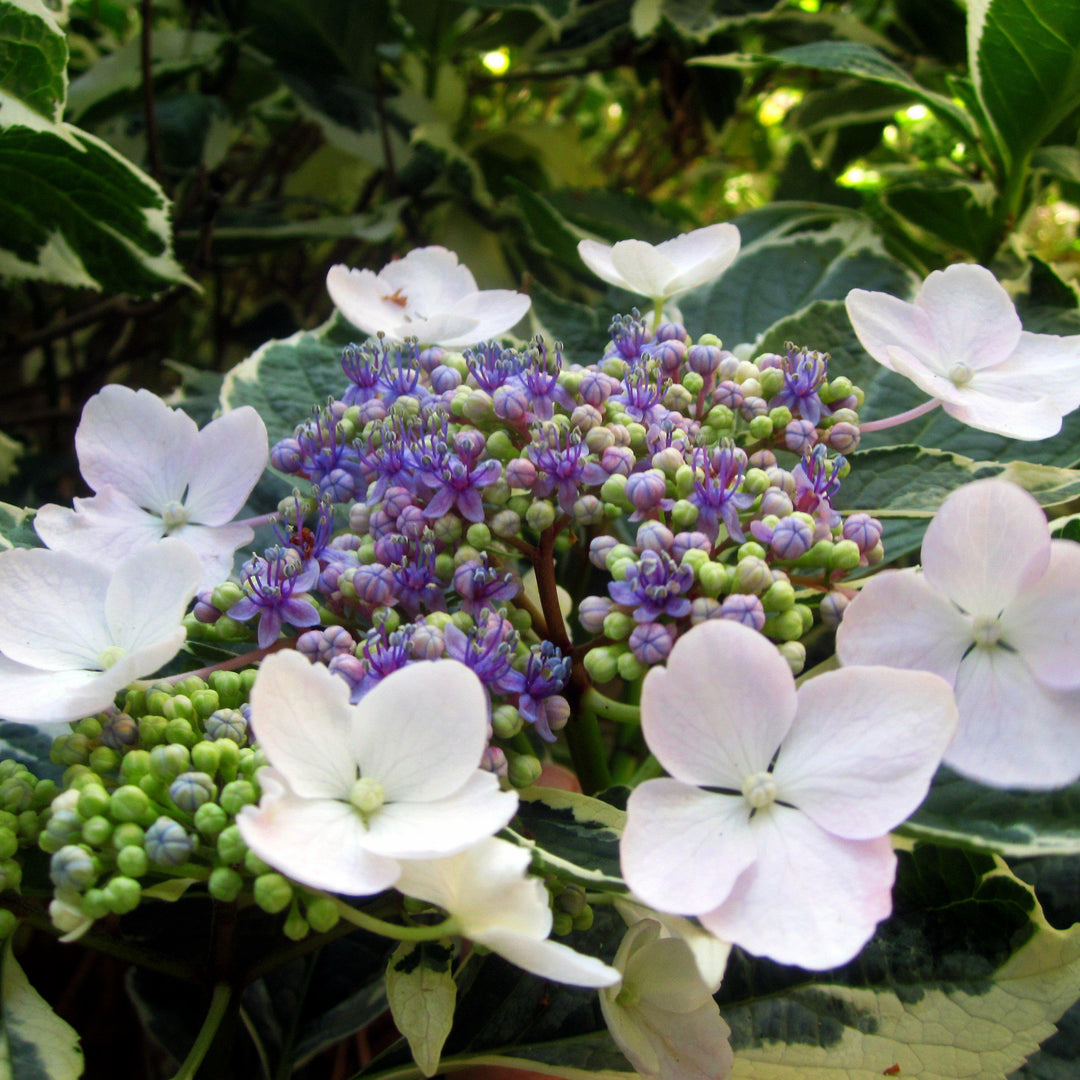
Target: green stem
[587, 749]
[649, 769]
[604, 706]
[219, 1003]
[393, 930]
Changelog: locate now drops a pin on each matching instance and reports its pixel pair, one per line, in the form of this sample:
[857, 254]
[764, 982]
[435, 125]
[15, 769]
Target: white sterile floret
[75, 632]
[995, 610]
[355, 789]
[428, 295]
[156, 474]
[663, 1016]
[961, 342]
[773, 829]
[663, 270]
[495, 903]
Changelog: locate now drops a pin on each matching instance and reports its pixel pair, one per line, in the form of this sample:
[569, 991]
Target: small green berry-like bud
[8, 922]
[618, 625]
[135, 703]
[684, 514]
[506, 721]
[90, 727]
[693, 382]
[93, 800]
[571, 900]
[584, 919]
[713, 578]
[254, 865]
[123, 894]
[322, 914]
[524, 769]
[225, 884]
[73, 749]
[129, 803]
[695, 558]
[561, 923]
[169, 761]
[205, 757]
[132, 861]
[226, 595]
[155, 700]
[97, 830]
[181, 732]
[779, 596]
[231, 846]
[540, 515]
[794, 652]
[296, 926]
[205, 703]
[135, 765]
[152, 730]
[787, 626]
[845, 555]
[226, 684]
[602, 664]
[756, 481]
[95, 904]
[128, 835]
[630, 667]
[178, 707]
[761, 427]
[9, 843]
[237, 794]
[210, 819]
[272, 893]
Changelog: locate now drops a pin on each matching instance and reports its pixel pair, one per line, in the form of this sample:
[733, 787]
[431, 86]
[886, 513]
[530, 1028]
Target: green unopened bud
[152, 730]
[210, 819]
[752, 575]
[845, 555]
[540, 515]
[720, 418]
[225, 884]
[820, 555]
[30, 826]
[205, 757]
[181, 732]
[229, 760]
[618, 625]
[167, 762]
[613, 490]
[761, 427]
[779, 417]
[226, 595]
[129, 803]
[272, 893]
[756, 481]
[780, 596]
[714, 578]
[794, 652]
[561, 923]
[226, 684]
[602, 664]
[772, 382]
[128, 834]
[583, 920]
[9, 843]
[506, 721]
[237, 794]
[254, 865]
[479, 536]
[506, 523]
[322, 913]
[135, 765]
[571, 900]
[93, 799]
[296, 926]
[132, 861]
[465, 553]
[205, 702]
[73, 749]
[8, 922]
[523, 770]
[97, 830]
[90, 727]
[786, 626]
[630, 667]
[231, 846]
[693, 382]
[123, 895]
[695, 558]
[104, 760]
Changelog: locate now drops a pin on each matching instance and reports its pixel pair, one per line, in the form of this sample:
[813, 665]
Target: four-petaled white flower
[495, 903]
[663, 270]
[354, 789]
[427, 295]
[961, 342]
[662, 1016]
[156, 474]
[74, 632]
[773, 830]
[995, 610]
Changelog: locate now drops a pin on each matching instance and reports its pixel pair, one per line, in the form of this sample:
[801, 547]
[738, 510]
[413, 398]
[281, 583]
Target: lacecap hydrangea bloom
[773, 828]
[995, 610]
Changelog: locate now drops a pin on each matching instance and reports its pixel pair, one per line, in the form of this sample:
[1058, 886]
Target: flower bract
[663, 270]
[74, 632]
[354, 789]
[995, 610]
[428, 295]
[961, 341]
[487, 890]
[156, 474]
[773, 827]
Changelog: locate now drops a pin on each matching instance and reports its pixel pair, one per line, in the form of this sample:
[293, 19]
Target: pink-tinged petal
[810, 899]
[1043, 622]
[441, 327]
[987, 543]
[30, 695]
[422, 730]
[228, 458]
[215, 545]
[1049, 365]
[149, 593]
[318, 842]
[882, 322]
[689, 1046]
[301, 716]
[900, 620]
[431, 829]
[430, 278]
[926, 374]
[1002, 412]
[971, 316]
[597, 257]
[683, 849]
[103, 529]
[550, 960]
[717, 712]
[358, 295]
[132, 441]
[1014, 732]
[701, 255]
[54, 609]
[864, 747]
[648, 271]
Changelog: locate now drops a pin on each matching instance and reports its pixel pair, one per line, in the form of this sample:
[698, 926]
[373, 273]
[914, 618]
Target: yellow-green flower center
[759, 790]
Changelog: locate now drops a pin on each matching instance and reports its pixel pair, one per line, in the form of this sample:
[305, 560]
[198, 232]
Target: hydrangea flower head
[961, 341]
[773, 827]
[156, 474]
[428, 295]
[995, 610]
[355, 789]
[75, 632]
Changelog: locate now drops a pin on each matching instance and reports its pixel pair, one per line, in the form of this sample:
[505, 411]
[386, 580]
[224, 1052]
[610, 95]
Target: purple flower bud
[688, 541]
[792, 538]
[412, 522]
[557, 711]
[617, 460]
[744, 609]
[396, 499]
[832, 609]
[494, 761]
[651, 642]
[520, 473]
[776, 503]
[769, 360]
[799, 436]
[671, 331]
[511, 402]
[599, 547]
[761, 459]
[430, 358]
[371, 410]
[704, 359]
[349, 668]
[380, 523]
[864, 530]
[844, 437]
[593, 610]
[445, 379]
[753, 407]
[595, 388]
[374, 585]
[204, 611]
[227, 724]
[586, 417]
[427, 642]
[587, 510]
[670, 355]
[286, 456]
[651, 535]
[646, 490]
[728, 393]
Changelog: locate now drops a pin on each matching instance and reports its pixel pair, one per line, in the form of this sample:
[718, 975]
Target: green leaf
[962, 813]
[583, 330]
[582, 1057]
[17, 527]
[1060, 161]
[35, 1044]
[699, 20]
[778, 275]
[421, 992]
[33, 60]
[1025, 64]
[960, 212]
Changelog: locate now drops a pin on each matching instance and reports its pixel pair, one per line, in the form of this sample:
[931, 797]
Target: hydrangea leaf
[17, 527]
[35, 1043]
[945, 990]
[572, 835]
[421, 992]
[77, 212]
[780, 274]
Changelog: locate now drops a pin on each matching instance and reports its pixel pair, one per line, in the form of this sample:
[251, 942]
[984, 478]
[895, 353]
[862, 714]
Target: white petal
[149, 593]
[358, 295]
[132, 441]
[1043, 622]
[900, 620]
[971, 316]
[495, 312]
[719, 709]
[597, 257]
[683, 849]
[665, 971]
[30, 695]
[988, 542]
[425, 830]
[927, 374]
[810, 898]
[1014, 732]
[441, 328]
[422, 730]
[430, 278]
[54, 609]
[648, 271]
[215, 545]
[883, 322]
[550, 960]
[318, 842]
[701, 255]
[1002, 412]
[689, 1046]
[864, 747]
[104, 529]
[1049, 365]
[229, 457]
[300, 714]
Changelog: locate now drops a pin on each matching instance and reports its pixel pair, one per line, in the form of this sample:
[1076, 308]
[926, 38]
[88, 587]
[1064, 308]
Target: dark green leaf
[960, 212]
[33, 62]
[582, 330]
[1060, 161]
